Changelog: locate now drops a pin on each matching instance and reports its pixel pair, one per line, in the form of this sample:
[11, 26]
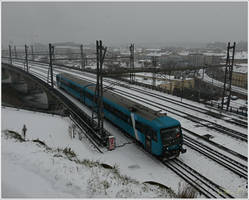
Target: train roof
[137, 108]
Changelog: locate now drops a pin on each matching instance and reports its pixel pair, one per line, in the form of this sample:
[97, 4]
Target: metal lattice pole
[97, 110]
[10, 54]
[225, 78]
[228, 75]
[32, 52]
[95, 99]
[15, 51]
[154, 62]
[100, 97]
[132, 74]
[51, 49]
[26, 58]
[82, 58]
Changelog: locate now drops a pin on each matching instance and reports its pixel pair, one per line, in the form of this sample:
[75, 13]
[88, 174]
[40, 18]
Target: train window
[117, 113]
[140, 127]
[146, 130]
[64, 82]
[169, 134]
[75, 87]
[88, 95]
[108, 107]
[170, 131]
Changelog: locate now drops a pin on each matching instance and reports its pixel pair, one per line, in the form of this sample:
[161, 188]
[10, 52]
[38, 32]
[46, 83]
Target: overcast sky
[117, 23]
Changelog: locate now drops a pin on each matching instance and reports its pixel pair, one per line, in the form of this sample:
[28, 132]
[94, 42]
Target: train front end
[171, 138]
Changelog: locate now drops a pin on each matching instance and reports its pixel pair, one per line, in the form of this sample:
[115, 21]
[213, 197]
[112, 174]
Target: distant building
[177, 83]
[145, 62]
[196, 59]
[172, 59]
[212, 60]
[239, 77]
[170, 84]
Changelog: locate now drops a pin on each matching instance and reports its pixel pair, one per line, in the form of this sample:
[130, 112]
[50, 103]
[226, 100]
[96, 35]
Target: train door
[134, 126]
[148, 141]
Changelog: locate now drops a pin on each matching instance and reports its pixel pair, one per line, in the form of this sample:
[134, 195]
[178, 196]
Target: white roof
[153, 49]
[155, 54]
[241, 68]
[183, 53]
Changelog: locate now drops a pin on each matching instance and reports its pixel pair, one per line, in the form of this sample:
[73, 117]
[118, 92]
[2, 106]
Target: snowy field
[30, 171]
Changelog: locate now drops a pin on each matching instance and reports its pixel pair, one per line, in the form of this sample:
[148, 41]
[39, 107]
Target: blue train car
[159, 134]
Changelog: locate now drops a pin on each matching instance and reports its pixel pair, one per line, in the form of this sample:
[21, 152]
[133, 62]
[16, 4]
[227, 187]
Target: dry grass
[13, 134]
[186, 191]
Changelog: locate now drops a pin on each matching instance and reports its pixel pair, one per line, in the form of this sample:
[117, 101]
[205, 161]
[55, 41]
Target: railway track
[230, 164]
[213, 143]
[190, 106]
[202, 110]
[223, 160]
[236, 154]
[217, 115]
[202, 184]
[208, 124]
[203, 122]
[200, 121]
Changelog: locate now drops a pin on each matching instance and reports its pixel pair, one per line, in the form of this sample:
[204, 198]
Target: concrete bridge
[21, 90]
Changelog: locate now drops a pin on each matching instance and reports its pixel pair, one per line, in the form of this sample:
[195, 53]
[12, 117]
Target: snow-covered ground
[241, 68]
[217, 83]
[31, 171]
[238, 54]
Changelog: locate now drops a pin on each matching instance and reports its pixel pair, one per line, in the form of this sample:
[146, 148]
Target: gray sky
[117, 23]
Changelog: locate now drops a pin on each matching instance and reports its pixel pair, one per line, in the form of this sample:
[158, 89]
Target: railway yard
[216, 161]
[124, 99]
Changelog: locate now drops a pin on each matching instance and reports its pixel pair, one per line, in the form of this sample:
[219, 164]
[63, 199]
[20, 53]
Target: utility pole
[97, 111]
[228, 75]
[182, 88]
[154, 63]
[26, 58]
[82, 58]
[15, 51]
[32, 52]
[201, 80]
[132, 74]
[10, 54]
[50, 69]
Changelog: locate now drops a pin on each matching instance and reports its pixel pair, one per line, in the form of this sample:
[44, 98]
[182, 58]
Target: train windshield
[170, 134]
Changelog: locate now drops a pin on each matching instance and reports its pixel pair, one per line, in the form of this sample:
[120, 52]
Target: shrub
[106, 166]
[15, 135]
[69, 152]
[39, 142]
[186, 191]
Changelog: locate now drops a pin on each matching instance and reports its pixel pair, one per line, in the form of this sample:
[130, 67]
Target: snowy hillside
[33, 170]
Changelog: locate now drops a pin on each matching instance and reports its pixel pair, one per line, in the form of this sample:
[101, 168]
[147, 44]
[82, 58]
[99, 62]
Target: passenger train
[159, 134]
